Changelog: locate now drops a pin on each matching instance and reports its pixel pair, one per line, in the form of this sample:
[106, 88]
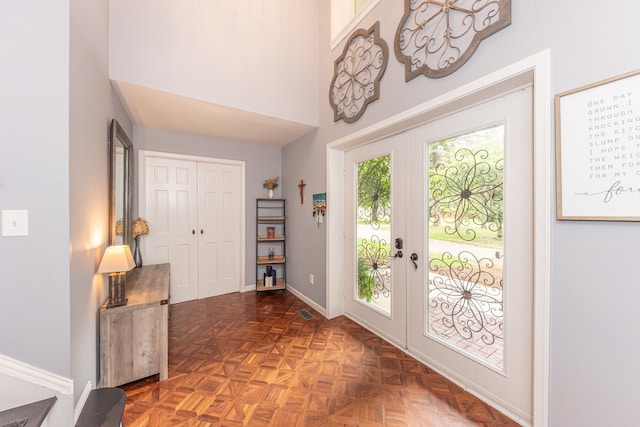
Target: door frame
[142, 188]
[533, 70]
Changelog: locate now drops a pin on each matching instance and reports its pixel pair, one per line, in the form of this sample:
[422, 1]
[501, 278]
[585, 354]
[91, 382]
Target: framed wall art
[435, 38]
[598, 150]
[357, 74]
[319, 207]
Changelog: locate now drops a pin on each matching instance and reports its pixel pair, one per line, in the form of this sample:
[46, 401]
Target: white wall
[594, 351]
[260, 163]
[256, 55]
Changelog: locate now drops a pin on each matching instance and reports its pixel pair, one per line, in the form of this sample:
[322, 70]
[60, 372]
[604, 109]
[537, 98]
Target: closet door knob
[193, 231]
[201, 231]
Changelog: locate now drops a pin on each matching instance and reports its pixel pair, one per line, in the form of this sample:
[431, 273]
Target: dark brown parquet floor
[247, 359]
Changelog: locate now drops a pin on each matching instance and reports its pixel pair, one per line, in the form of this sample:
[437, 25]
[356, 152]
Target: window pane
[466, 243]
[373, 233]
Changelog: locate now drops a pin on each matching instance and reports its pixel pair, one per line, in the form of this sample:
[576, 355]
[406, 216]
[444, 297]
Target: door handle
[398, 254]
[414, 258]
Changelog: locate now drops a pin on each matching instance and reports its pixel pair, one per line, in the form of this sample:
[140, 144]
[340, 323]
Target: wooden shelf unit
[271, 213]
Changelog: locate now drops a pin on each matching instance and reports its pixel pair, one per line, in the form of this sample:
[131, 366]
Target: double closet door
[440, 243]
[193, 206]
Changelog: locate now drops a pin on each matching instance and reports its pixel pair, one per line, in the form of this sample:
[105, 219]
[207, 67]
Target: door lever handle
[398, 254]
[414, 258]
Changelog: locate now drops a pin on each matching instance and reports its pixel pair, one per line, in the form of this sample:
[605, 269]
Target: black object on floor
[32, 414]
[103, 408]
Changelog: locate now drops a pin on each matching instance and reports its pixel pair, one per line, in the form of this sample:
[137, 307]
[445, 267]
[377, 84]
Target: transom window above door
[346, 15]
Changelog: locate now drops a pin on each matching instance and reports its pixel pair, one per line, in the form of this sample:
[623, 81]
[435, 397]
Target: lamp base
[116, 290]
[117, 304]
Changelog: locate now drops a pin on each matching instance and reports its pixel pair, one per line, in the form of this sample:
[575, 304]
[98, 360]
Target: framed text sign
[598, 150]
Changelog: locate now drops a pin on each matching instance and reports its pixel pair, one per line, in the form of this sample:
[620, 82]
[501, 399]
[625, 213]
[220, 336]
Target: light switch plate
[15, 223]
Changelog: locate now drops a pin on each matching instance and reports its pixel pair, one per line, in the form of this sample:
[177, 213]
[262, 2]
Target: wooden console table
[134, 338]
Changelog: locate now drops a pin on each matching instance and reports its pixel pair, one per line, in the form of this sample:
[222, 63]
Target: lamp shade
[117, 259]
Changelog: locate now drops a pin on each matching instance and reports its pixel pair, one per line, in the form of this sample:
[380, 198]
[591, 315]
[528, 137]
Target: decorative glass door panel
[376, 273]
[466, 243]
[470, 293]
[373, 233]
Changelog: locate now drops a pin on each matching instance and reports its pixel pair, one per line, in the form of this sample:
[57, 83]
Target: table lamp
[117, 260]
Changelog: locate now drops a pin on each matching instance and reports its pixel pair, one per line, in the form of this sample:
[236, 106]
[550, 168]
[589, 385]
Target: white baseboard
[33, 375]
[310, 302]
[481, 393]
[294, 291]
[81, 401]
[473, 389]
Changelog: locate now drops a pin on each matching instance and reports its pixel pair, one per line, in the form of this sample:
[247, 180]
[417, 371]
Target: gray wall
[306, 242]
[56, 105]
[594, 351]
[34, 175]
[261, 163]
[93, 103]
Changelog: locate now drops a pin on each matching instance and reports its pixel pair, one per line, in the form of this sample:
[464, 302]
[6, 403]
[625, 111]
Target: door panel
[171, 210]
[219, 239]
[466, 243]
[471, 297]
[375, 185]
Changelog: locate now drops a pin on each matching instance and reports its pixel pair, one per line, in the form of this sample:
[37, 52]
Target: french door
[441, 246]
[377, 296]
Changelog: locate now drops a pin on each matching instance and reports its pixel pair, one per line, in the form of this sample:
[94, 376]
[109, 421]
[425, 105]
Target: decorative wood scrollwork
[357, 74]
[437, 37]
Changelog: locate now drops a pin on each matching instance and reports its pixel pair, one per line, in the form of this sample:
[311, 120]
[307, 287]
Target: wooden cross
[301, 186]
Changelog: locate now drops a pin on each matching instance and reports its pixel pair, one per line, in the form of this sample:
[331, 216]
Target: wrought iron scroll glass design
[436, 37]
[466, 243]
[373, 233]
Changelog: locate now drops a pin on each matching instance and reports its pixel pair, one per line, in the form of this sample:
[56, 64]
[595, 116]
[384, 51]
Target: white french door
[377, 298]
[461, 200]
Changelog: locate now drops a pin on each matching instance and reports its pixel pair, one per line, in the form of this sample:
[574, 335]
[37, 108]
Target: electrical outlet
[311, 279]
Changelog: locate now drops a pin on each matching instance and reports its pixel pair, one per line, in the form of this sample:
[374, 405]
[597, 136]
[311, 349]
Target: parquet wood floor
[249, 359]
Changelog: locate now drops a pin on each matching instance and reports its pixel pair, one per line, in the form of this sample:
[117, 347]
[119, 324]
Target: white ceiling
[155, 109]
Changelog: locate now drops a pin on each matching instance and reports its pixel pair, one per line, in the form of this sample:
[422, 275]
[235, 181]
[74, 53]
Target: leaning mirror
[119, 186]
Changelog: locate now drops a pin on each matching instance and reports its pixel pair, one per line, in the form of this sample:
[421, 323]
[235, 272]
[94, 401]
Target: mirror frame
[117, 137]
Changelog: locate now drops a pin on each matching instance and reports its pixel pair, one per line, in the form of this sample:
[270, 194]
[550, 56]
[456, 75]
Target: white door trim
[142, 185]
[532, 70]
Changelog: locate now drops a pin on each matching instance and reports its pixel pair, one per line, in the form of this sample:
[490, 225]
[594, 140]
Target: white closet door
[172, 213]
[195, 213]
[219, 229]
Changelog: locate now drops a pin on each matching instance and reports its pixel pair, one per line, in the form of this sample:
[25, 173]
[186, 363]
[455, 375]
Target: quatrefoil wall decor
[437, 37]
[357, 74]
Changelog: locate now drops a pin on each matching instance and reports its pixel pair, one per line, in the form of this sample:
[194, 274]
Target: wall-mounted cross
[301, 186]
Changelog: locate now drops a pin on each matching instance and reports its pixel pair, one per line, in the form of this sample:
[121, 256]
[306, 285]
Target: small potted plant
[140, 228]
[270, 184]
